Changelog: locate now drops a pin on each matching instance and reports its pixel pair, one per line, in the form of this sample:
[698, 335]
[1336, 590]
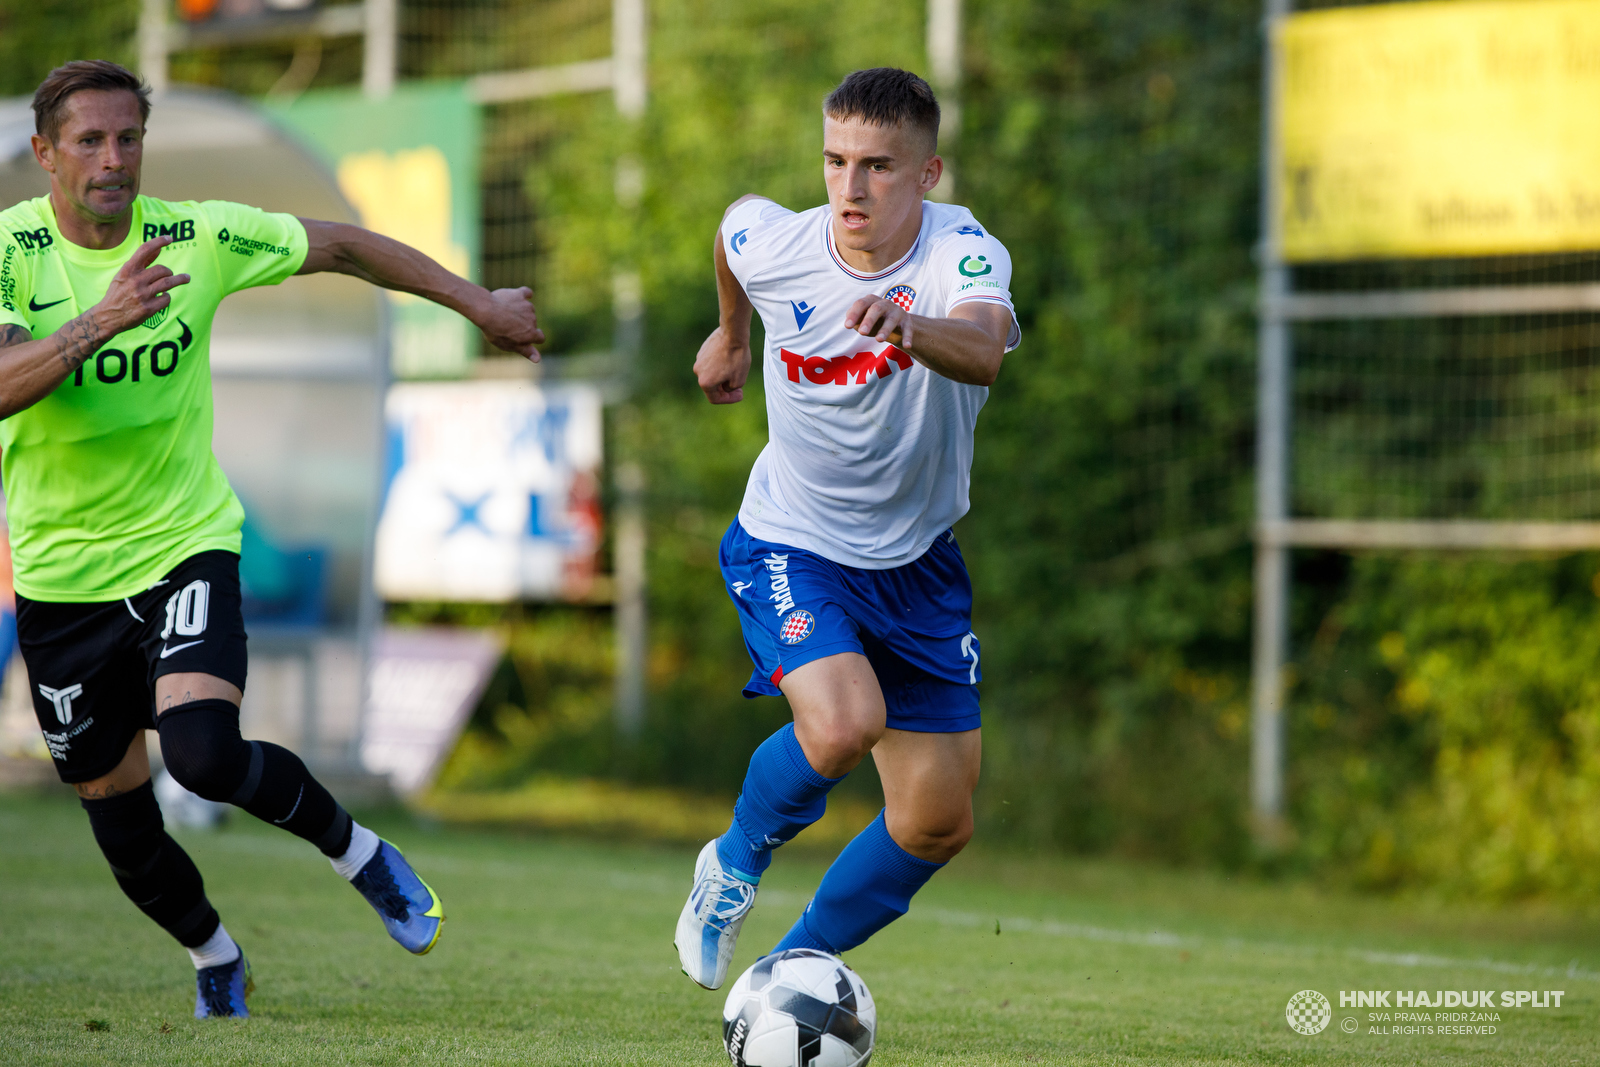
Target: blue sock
[782, 795]
[868, 887]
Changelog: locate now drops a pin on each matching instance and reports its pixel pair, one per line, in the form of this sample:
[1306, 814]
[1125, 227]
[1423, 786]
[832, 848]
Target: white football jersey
[869, 453]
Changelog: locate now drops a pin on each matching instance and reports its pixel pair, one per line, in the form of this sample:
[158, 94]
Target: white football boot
[708, 929]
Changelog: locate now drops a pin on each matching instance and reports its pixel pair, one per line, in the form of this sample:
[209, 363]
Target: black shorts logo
[62, 699]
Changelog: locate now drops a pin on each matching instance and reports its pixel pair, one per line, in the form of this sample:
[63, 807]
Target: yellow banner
[1439, 129]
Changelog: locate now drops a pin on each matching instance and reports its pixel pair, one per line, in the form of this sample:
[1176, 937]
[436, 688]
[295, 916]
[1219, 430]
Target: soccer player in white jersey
[886, 319]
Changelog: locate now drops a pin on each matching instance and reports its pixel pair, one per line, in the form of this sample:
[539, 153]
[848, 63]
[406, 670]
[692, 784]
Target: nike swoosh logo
[34, 305]
[165, 651]
[298, 798]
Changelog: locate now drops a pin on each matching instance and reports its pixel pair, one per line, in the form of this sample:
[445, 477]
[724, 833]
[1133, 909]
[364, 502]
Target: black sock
[156, 874]
[203, 750]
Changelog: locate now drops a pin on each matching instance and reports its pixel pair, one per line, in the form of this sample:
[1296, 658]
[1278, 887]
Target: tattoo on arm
[12, 334]
[77, 340]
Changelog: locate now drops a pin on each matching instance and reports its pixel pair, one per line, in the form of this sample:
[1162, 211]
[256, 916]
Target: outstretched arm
[505, 316]
[30, 370]
[723, 362]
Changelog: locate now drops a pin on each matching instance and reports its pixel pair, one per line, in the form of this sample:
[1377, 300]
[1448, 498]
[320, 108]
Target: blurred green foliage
[36, 36]
[1444, 724]
[1448, 726]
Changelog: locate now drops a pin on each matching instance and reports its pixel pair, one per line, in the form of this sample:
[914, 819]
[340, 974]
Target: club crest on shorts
[903, 295]
[797, 626]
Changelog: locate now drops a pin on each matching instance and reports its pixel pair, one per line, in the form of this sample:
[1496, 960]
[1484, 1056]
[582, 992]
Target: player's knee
[838, 743]
[934, 836]
[203, 750]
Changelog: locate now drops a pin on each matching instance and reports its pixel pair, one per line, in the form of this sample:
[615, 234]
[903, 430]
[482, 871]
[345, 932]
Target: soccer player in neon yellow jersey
[124, 531]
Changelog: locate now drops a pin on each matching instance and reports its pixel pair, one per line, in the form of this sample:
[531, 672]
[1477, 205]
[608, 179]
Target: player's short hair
[50, 99]
[887, 96]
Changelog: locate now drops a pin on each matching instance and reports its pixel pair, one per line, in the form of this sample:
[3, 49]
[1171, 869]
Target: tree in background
[1439, 703]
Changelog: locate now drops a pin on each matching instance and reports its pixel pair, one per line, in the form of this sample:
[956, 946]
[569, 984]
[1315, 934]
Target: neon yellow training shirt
[110, 480]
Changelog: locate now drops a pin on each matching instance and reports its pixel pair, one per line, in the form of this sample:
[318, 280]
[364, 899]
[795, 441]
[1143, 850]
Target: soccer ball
[799, 1008]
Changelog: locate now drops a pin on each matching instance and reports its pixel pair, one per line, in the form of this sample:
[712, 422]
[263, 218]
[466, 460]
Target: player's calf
[928, 779]
[149, 866]
[205, 752]
[868, 887]
[782, 795]
[163, 882]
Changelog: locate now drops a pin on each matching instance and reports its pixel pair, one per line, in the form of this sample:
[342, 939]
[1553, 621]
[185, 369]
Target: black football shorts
[93, 667]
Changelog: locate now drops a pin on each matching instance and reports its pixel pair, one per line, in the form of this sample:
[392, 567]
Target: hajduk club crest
[797, 626]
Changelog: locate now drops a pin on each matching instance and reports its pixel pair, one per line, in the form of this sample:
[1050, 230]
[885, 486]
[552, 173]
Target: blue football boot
[220, 990]
[410, 909]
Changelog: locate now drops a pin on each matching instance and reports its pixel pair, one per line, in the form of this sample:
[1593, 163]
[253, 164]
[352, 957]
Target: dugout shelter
[299, 370]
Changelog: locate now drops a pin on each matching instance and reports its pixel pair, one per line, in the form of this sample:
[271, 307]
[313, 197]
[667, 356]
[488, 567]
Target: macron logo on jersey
[802, 313]
[737, 242]
[970, 231]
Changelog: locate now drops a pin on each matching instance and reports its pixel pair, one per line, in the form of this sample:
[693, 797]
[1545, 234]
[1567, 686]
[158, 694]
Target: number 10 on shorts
[186, 610]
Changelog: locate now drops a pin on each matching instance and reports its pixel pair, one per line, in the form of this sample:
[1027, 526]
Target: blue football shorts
[913, 623]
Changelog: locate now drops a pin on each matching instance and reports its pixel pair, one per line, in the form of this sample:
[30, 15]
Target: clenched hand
[508, 320]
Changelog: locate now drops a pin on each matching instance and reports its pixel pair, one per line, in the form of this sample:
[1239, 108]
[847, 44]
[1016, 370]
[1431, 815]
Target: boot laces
[380, 888]
[726, 899]
[215, 982]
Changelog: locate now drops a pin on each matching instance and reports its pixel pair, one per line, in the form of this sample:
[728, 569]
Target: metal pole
[628, 57]
[944, 71]
[153, 44]
[632, 624]
[380, 48]
[629, 561]
[369, 614]
[630, 89]
[1271, 636]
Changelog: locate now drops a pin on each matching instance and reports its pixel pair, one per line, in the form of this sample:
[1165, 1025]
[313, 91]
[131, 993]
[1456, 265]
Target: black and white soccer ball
[799, 1008]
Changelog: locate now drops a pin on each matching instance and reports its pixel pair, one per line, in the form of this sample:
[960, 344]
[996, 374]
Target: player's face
[877, 177]
[95, 161]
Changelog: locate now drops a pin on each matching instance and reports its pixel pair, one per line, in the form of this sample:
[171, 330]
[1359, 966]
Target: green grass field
[558, 951]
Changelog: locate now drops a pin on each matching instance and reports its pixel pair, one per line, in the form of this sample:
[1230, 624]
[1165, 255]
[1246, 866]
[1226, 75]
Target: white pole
[153, 44]
[944, 72]
[380, 48]
[630, 88]
[628, 56]
[944, 45]
[1271, 624]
